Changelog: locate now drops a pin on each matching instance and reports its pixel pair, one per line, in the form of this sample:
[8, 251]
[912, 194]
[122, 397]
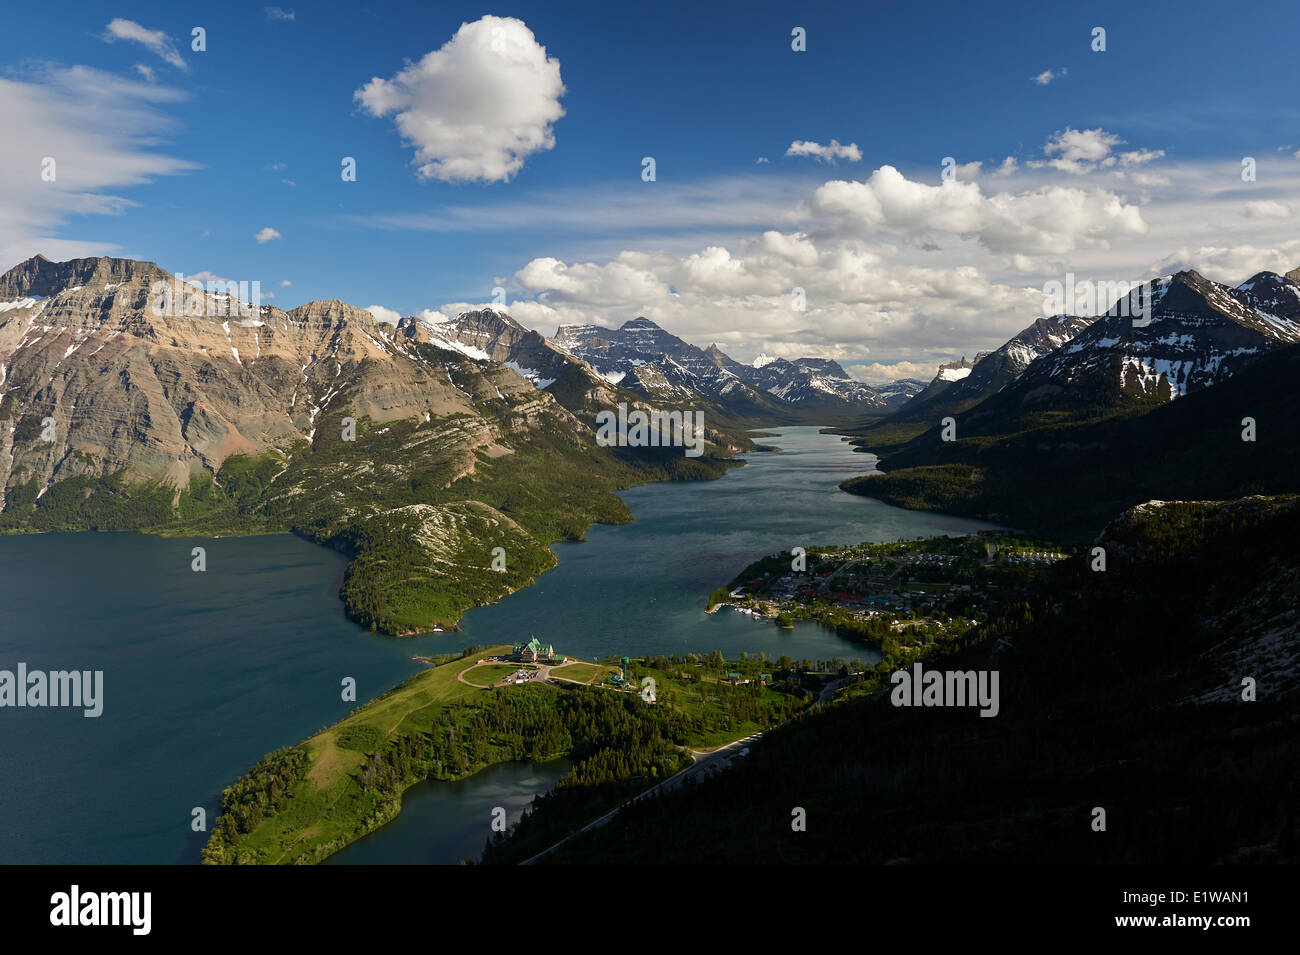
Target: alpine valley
[416, 449]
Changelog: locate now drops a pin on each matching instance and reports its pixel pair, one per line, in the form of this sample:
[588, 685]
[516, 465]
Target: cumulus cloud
[828, 153]
[275, 13]
[475, 109]
[1045, 77]
[156, 41]
[1052, 219]
[856, 298]
[385, 315]
[266, 234]
[1080, 151]
[720, 261]
[878, 373]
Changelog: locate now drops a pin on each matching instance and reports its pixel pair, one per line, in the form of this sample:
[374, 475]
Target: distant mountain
[900, 392]
[812, 381]
[491, 335]
[645, 359]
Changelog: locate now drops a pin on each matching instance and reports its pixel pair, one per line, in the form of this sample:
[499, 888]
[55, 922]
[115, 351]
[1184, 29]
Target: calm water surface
[206, 672]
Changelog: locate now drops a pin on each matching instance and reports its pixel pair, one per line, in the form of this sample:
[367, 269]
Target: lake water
[206, 672]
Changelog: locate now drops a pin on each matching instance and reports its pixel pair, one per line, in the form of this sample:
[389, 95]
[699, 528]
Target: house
[534, 651]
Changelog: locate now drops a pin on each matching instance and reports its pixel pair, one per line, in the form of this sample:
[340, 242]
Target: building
[534, 651]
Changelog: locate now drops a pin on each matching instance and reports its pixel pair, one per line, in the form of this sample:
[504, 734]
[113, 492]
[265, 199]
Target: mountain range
[1192, 399]
[134, 402]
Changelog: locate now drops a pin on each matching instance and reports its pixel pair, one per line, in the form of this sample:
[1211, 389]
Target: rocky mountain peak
[40, 277]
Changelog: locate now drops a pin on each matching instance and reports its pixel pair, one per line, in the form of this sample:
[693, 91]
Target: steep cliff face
[104, 368]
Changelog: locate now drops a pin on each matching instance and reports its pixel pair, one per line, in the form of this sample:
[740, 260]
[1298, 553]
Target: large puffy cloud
[102, 133]
[853, 299]
[476, 108]
[1052, 219]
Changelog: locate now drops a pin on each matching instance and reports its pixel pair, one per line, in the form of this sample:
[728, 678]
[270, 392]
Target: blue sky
[184, 157]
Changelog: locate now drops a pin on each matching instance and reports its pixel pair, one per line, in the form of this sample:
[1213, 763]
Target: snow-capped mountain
[644, 358]
[898, 393]
[963, 383]
[1195, 334]
[811, 380]
[1275, 297]
[488, 334]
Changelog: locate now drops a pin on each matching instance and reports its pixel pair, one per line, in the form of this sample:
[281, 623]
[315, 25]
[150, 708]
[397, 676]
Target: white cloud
[1080, 151]
[1267, 209]
[145, 71]
[1234, 264]
[1045, 77]
[752, 201]
[203, 276]
[275, 13]
[103, 132]
[717, 261]
[761, 160]
[285, 284]
[1139, 156]
[266, 234]
[156, 41]
[1052, 219]
[877, 373]
[386, 315]
[828, 153]
[476, 108]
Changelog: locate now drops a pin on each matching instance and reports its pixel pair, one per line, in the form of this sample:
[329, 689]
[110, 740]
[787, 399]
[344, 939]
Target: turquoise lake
[206, 672]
